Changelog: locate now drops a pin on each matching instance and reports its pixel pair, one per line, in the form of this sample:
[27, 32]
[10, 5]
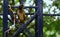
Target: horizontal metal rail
[51, 14]
[25, 7]
[43, 14]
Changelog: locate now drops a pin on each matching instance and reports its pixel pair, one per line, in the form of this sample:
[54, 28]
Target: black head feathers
[21, 6]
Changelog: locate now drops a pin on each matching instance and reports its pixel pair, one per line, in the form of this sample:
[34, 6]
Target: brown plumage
[21, 14]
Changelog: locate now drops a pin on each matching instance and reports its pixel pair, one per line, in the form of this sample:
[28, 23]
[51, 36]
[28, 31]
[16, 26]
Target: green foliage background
[51, 24]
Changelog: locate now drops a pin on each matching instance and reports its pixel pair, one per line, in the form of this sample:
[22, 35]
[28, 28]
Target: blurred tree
[51, 24]
[57, 3]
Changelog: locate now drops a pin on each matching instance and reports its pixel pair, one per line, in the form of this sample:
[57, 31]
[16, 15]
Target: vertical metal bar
[5, 17]
[36, 20]
[21, 1]
[39, 19]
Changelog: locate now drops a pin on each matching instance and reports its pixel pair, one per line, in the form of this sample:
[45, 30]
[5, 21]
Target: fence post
[39, 19]
[21, 1]
[5, 17]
